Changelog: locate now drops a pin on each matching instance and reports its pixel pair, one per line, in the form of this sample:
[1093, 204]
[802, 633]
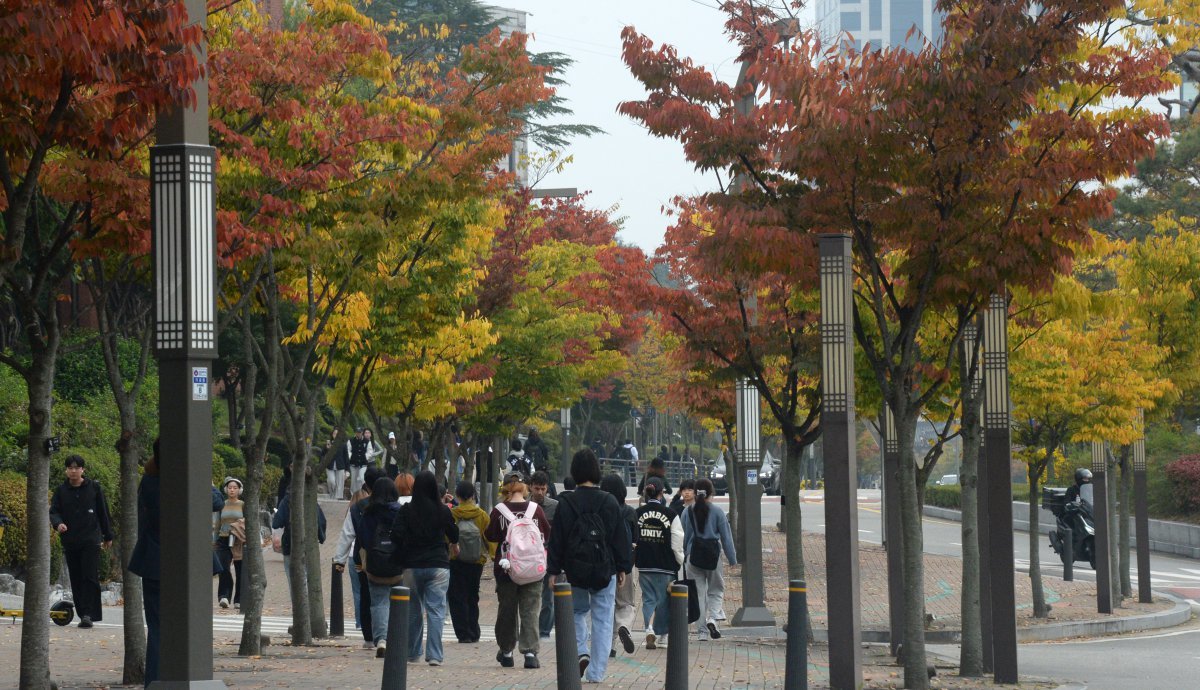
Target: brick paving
[92, 658]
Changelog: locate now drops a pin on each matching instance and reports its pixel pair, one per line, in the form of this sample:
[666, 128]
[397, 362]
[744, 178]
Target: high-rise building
[879, 23]
[511, 22]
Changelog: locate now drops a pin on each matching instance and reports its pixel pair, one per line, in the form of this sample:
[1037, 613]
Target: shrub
[12, 545]
[232, 457]
[951, 496]
[1184, 475]
[218, 470]
[270, 486]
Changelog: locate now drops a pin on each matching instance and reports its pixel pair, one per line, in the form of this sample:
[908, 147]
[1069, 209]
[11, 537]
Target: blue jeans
[429, 590]
[381, 605]
[595, 639]
[656, 602]
[350, 572]
[546, 617]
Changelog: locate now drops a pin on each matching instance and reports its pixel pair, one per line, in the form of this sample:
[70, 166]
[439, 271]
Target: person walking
[427, 536]
[283, 520]
[539, 456]
[658, 552]
[626, 608]
[347, 554]
[685, 497]
[393, 461]
[520, 601]
[79, 513]
[540, 487]
[656, 468]
[380, 556]
[231, 541]
[145, 560]
[590, 547]
[466, 569]
[337, 463]
[373, 448]
[362, 451]
[705, 534]
[517, 461]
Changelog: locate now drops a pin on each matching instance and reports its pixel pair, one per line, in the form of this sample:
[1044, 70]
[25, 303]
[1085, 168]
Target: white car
[947, 480]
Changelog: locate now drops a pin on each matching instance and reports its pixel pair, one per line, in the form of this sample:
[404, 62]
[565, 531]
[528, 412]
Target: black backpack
[383, 557]
[589, 561]
[624, 453]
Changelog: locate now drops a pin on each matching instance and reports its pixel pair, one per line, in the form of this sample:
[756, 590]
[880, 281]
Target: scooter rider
[1082, 476]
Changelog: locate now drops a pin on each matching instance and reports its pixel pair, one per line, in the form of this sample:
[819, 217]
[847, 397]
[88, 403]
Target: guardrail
[631, 471]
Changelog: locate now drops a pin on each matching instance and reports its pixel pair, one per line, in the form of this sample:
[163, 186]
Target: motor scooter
[1073, 515]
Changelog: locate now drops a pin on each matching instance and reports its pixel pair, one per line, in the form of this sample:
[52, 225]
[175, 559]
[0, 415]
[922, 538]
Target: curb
[1177, 615]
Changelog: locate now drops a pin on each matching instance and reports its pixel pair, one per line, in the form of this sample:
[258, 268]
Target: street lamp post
[564, 420]
[999, 483]
[1141, 513]
[1100, 520]
[183, 213]
[754, 611]
[841, 488]
[982, 530]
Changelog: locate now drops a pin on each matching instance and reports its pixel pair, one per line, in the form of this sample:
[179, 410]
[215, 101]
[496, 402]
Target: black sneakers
[626, 639]
[506, 660]
[584, 660]
[85, 621]
[713, 632]
[531, 660]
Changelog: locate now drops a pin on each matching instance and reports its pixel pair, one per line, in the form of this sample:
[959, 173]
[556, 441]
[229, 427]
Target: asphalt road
[944, 537]
[1160, 661]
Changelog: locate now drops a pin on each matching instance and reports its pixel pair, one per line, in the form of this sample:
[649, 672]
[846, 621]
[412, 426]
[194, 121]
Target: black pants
[83, 563]
[227, 587]
[463, 598]
[364, 605]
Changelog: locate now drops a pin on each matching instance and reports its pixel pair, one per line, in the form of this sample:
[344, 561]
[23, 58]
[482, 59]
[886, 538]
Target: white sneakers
[381, 649]
[224, 602]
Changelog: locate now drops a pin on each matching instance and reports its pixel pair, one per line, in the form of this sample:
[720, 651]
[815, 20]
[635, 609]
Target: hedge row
[951, 496]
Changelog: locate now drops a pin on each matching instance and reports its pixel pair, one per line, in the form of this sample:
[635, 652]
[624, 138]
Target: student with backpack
[658, 541]
[590, 545]
[427, 537]
[705, 534]
[519, 529]
[379, 555]
[467, 568]
[626, 608]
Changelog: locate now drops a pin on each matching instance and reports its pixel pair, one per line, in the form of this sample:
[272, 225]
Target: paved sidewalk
[92, 658]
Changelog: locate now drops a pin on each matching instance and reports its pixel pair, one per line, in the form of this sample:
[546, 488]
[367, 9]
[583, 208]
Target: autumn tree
[953, 159]
[80, 84]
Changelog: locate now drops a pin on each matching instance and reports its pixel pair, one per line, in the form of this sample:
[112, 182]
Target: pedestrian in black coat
[79, 513]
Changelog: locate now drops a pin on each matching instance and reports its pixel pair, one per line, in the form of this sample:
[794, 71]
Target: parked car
[769, 475]
[717, 474]
[947, 480]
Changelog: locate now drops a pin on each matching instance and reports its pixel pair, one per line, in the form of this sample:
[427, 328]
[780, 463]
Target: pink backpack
[523, 546]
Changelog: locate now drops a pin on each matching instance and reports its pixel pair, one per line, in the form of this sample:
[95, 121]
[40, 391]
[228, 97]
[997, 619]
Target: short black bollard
[564, 638]
[795, 674]
[395, 661]
[677, 648]
[337, 624]
[1069, 556]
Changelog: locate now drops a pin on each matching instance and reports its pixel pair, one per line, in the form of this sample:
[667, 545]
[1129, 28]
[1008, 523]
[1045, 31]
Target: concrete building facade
[879, 23]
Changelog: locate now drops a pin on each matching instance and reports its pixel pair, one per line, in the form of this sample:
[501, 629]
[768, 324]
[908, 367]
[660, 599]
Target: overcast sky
[626, 167]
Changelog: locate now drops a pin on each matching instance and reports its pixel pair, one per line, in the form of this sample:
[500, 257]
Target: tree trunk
[1126, 489]
[254, 582]
[134, 667]
[1114, 557]
[1040, 610]
[791, 507]
[35, 632]
[970, 661]
[316, 598]
[915, 673]
[298, 569]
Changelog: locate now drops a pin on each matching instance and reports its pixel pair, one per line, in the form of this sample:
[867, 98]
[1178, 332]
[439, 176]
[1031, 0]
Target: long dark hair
[425, 496]
[704, 491]
[613, 484]
[383, 492]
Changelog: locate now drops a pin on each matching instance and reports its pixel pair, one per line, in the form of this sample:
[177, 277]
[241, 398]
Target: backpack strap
[507, 512]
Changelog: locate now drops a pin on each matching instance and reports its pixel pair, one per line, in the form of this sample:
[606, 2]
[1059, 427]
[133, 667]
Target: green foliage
[80, 372]
[14, 420]
[231, 457]
[270, 486]
[12, 504]
[951, 496]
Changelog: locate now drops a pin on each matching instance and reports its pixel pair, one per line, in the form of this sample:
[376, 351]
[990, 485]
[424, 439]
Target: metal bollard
[395, 661]
[1069, 556]
[677, 649]
[564, 638]
[337, 624]
[795, 674]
